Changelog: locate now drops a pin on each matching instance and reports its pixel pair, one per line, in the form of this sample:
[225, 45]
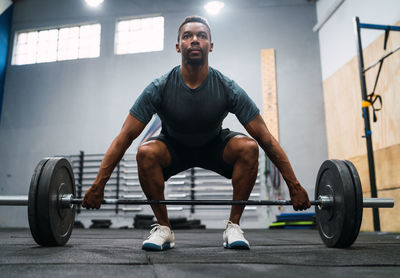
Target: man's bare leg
[151, 157]
[242, 153]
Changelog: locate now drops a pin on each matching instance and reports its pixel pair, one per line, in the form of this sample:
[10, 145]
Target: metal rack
[192, 184]
[367, 101]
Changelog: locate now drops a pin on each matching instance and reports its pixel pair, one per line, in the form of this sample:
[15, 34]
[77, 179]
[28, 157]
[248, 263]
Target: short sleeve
[241, 104]
[146, 105]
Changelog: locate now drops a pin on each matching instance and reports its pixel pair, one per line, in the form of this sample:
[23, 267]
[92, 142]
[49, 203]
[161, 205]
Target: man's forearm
[259, 131]
[113, 155]
[278, 156]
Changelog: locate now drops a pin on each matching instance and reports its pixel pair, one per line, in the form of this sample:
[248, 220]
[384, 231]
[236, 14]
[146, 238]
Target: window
[139, 35]
[52, 45]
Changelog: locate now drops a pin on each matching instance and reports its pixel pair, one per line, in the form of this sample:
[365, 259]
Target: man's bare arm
[131, 129]
[259, 131]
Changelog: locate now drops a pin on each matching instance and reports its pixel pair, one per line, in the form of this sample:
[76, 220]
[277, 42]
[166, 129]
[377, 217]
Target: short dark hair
[195, 18]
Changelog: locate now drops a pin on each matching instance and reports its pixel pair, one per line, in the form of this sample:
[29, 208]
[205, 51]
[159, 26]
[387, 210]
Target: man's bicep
[132, 127]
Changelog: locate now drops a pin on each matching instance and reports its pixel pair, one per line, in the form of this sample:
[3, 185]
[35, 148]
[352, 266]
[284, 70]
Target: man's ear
[177, 48]
[211, 47]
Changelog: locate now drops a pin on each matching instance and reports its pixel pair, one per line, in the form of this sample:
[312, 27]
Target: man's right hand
[93, 198]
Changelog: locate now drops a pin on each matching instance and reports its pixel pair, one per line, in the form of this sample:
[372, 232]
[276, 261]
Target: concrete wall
[64, 107]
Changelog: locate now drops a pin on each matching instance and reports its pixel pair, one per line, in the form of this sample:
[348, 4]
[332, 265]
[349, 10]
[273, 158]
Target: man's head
[194, 40]
[194, 18]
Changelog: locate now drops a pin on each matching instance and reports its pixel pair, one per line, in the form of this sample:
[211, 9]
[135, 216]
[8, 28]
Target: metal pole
[324, 201]
[14, 200]
[117, 191]
[80, 177]
[368, 133]
[380, 27]
[192, 202]
[68, 200]
[378, 203]
[192, 185]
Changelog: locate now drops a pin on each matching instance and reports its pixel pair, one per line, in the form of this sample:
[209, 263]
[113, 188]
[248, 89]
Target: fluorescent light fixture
[214, 7]
[94, 3]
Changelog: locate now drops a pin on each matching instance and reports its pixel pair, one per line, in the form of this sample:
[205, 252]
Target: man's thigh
[209, 156]
[179, 158]
[213, 155]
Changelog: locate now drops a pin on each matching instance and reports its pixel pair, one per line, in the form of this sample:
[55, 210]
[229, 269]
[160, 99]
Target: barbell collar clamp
[325, 202]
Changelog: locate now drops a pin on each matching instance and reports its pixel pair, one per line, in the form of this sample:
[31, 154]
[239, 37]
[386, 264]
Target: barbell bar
[67, 200]
[51, 202]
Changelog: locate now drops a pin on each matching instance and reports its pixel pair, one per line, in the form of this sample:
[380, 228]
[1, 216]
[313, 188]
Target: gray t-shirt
[193, 117]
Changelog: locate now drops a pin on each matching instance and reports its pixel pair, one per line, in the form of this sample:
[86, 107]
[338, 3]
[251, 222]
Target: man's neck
[193, 76]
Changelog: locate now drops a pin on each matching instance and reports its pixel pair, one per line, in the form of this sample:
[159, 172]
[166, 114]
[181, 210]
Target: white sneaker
[233, 237]
[161, 238]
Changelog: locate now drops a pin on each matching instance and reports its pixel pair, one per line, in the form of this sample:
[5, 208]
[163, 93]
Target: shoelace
[156, 227]
[233, 226]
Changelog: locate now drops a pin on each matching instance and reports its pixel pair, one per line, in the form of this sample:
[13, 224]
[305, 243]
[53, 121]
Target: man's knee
[152, 153]
[242, 148]
[248, 149]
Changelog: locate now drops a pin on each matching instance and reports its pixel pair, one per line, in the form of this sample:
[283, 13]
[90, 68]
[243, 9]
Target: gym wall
[342, 98]
[64, 107]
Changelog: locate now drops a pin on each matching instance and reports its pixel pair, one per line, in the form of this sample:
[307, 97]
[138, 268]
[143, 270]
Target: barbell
[51, 202]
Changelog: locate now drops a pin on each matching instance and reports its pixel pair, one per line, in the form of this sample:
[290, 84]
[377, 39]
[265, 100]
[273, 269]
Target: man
[192, 100]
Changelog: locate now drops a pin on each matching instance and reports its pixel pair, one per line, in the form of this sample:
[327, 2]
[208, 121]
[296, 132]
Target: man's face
[194, 43]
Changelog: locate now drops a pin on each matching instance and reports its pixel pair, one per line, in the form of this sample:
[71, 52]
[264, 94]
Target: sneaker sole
[237, 245]
[155, 247]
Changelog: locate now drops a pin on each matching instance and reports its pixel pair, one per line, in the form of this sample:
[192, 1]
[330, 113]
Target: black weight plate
[358, 200]
[55, 223]
[336, 224]
[349, 228]
[33, 217]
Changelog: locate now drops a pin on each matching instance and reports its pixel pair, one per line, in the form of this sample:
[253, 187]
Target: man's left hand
[299, 198]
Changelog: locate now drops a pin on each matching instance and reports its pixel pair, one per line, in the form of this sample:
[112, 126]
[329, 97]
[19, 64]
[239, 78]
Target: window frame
[129, 18]
[49, 28]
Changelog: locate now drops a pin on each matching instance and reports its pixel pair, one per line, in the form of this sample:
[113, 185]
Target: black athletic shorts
[208, 156]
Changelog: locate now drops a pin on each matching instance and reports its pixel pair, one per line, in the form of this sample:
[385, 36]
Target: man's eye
[202, 36]
[186, 36]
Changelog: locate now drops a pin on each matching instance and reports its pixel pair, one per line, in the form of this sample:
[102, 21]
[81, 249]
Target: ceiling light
[94, 3]
[214, 7]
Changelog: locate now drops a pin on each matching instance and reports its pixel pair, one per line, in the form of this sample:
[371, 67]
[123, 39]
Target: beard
[195, 61]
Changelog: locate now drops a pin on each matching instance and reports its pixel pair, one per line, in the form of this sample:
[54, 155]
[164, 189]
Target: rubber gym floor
[198, 253]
